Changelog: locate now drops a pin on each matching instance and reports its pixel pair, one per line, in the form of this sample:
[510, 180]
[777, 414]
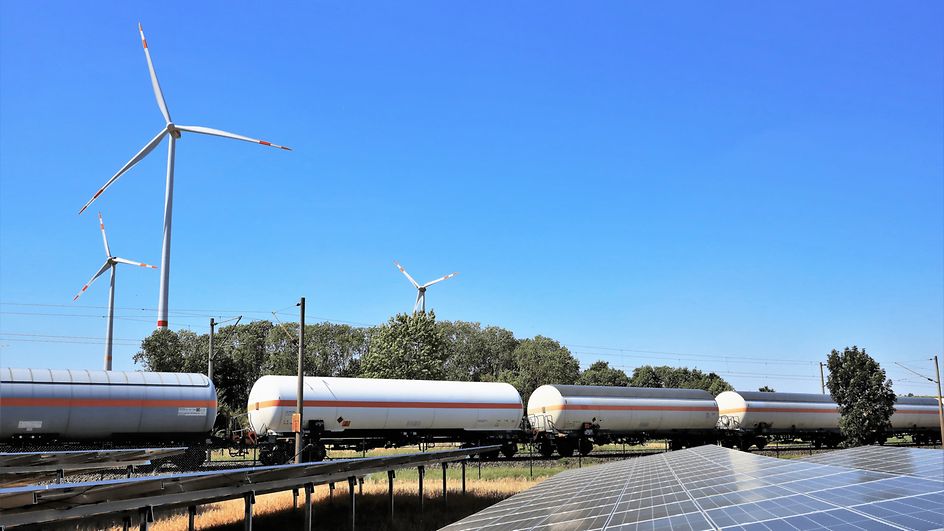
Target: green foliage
[678, 377]
[476, 354]
[407, 346]
[866, 401]
[541, 361]
[600, 373]
[766, 389]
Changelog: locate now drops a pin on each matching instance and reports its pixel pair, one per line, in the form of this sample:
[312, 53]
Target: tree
[865, 398]
[541, 361]
[678, 377]
[600, 373]
[766, 389]
[407, 346]
[476, 354]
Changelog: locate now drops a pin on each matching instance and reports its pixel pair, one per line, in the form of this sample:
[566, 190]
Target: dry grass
[274, 511]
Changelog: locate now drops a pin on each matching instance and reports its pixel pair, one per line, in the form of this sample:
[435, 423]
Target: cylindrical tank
[777, 412]
[83, 404]
[621, 409]
[379, 404]
[914, 413]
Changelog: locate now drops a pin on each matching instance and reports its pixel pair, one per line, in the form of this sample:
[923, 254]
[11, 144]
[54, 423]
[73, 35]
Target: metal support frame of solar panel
[69, 501]
[715, 488]
[902, 461]
[21, 468]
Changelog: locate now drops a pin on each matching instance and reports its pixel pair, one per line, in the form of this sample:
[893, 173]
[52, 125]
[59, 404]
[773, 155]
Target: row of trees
[407, 346]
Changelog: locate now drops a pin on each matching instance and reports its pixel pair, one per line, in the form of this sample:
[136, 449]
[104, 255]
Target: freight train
[41, 408]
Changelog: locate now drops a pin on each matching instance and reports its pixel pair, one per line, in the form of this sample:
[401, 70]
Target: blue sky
[743, 186]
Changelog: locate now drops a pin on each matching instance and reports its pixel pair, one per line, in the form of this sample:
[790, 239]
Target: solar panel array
[716, 488]
[918, 462]
[24, 468]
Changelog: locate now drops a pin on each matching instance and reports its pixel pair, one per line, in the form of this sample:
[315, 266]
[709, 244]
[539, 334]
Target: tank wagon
[370, 413]
[575, 417]
[46, 408]
[752, 418]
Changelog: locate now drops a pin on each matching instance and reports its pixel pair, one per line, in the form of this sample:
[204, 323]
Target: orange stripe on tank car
[776, 410]
[402, 405]
[102, 402]
[580, 407]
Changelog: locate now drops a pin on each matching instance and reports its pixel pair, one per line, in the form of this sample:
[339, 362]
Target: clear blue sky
[746, 185]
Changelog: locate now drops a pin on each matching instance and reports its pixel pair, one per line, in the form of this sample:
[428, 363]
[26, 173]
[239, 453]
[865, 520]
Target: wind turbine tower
[173, 132]
[111, 262]
[421, 290]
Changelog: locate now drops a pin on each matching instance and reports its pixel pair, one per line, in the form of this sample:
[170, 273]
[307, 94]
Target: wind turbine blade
[104, 238]
[400, 267]
[216, 132]
[131, 262]
[447, 277]
[134, 160]
[89, 283]
[154, 84]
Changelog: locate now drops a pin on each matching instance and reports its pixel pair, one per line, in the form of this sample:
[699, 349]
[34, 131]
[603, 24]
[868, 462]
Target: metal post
[940, 404]
[331, 493]
[126, 523]
[822, 379]
[191, 517]
[299, 405]
[165, 244]
[294, 499]
[129, 471]
[60, 474]
[111, 315]
[463, 476]
[444, 465]
[421, 470]
[350, 489]
[480, 466]
[146, 517]
[309, 488]
[531, 459]
[210, 352]
[390, 475]
[250, 500]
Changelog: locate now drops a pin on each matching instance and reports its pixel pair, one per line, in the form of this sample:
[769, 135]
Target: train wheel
[675, 444]
[585, 447]
[192, 459]
[545, 448]
[760, 443]
[744, 445]
[565, 448]
[509, 449]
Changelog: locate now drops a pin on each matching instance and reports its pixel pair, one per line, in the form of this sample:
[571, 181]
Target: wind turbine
[421, 290]
[173, 131]
[111, 262]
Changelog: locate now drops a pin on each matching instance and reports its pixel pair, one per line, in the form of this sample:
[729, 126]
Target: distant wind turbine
[421, 290]
[111, 262]
[173, 131]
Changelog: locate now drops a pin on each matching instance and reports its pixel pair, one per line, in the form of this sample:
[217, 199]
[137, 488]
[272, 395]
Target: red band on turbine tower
[162, 323]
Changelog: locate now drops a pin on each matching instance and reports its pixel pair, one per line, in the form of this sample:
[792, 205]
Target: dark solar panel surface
[715, 488]
[918, 462]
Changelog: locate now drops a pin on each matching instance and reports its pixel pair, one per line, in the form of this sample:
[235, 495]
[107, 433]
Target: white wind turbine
[173, 132]
[421, 290]
[111, 262]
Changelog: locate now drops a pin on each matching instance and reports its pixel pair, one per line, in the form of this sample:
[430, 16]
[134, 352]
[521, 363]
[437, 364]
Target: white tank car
[777, 412]
[358, 404]
[915, 413]
[623, 409]
[75, 405]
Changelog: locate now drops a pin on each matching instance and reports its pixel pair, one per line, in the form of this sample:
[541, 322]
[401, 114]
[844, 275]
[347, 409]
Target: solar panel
[716, 488]
[918, 462]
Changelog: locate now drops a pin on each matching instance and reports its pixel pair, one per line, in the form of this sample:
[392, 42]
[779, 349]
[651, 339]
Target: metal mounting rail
[137, 498]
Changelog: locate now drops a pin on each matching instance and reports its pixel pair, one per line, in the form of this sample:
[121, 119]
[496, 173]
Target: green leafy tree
[865, 398]
[540, 361]
[600, 373]
[678, 377]
[407, 346]
[476, 354]
[766, 389]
